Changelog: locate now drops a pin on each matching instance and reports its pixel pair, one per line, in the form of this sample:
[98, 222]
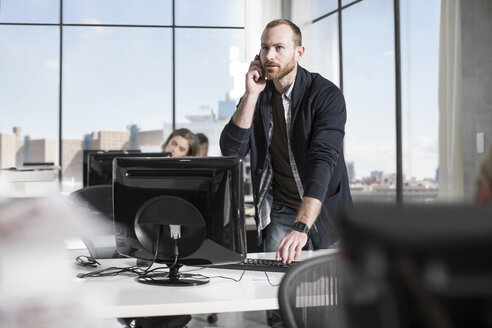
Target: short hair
[202, 138]
[297, 31]
[193, 143]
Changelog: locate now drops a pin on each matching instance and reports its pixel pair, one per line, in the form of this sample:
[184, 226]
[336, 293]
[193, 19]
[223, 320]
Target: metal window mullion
[399, 166]
[174, 67]
[60, 106]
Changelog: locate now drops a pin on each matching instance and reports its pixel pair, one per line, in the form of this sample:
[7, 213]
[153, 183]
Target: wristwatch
[301, 226]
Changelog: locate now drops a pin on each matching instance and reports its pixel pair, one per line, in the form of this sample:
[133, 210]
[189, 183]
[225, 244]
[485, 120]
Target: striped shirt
[265, 195]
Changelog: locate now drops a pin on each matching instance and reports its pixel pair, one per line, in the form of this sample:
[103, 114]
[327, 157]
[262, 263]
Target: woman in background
[182, 142]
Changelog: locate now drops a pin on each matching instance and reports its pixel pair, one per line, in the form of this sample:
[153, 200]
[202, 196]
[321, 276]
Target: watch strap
[301, 227]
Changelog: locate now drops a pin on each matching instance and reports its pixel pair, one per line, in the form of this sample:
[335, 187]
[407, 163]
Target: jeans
[281, 220]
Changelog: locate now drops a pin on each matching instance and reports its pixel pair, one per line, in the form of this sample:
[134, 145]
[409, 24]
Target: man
[203, 144]
[292, 122]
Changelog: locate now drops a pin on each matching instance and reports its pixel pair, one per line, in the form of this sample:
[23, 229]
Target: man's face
[204, 149]
[278, 53]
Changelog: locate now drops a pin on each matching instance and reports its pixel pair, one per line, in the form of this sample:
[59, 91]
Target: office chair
[97, 202]
[98, 198]
[309, 294]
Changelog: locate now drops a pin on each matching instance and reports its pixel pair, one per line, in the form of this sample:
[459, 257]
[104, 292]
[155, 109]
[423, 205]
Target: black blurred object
[172, 321]
[98, 165]
[417, 266]
[39, 164]
[97, 199]
[89, 153]
[309, 294]
[212, 318]
[87, 261]
[253, 264]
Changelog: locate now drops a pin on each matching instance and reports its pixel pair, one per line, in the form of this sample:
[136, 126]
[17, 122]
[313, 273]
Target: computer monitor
[180, 211]
[100, 165]
[85, 160]
[417, 266]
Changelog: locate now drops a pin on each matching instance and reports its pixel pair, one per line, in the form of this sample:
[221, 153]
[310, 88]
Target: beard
[280, 71]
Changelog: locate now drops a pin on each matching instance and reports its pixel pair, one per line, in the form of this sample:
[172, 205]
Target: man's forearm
[243, 116]
[309, 211]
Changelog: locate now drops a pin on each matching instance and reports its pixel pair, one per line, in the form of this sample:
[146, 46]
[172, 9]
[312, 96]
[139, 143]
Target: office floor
[255, 319]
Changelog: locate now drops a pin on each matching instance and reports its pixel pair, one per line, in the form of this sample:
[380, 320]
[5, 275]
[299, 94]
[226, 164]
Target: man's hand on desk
[290, 246]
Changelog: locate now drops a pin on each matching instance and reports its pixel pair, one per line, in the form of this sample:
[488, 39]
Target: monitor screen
[85, 160]
[99, 169]
[180, 210]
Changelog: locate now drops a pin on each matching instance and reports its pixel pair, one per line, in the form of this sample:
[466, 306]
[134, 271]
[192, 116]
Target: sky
[114, 76]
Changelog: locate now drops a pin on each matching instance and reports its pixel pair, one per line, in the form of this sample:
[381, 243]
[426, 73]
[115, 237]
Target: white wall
[477, 84]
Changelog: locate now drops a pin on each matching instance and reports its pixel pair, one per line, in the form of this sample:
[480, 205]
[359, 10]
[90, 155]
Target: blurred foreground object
[30, 181]
[38, 288]
[425, 266]
[309, 294]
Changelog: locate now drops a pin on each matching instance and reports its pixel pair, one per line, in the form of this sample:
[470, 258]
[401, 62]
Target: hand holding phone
[255, 78]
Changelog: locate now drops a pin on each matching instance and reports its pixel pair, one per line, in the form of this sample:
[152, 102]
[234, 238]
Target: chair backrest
[309, 294]
[97, 198]
[98, 202]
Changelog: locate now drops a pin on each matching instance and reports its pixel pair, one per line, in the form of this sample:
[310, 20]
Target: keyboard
[251, 264]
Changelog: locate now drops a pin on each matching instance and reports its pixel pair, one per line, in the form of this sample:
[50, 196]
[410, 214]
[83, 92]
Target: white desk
[122, 296]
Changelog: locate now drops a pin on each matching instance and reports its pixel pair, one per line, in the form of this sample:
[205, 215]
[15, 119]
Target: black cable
[176, 253]
[156, 250]
[233, 279]
[85, 260]
[241, 277]
[268, 278]
[114, 271]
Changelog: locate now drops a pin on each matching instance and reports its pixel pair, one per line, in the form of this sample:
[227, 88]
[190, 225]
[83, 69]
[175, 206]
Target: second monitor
[98, 165]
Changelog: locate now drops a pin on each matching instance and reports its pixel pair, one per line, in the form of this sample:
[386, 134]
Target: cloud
[142, 100]
[95, 30]
[388, 53]
[52, 63]
[55, 64]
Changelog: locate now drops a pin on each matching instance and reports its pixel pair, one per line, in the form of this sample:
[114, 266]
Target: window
[117, 90]
[208, 86]
[210, 12]
[130, 75]
[126, 12]
[29, 67]
[420, 49]
[28, 11]
[369, 88]
[322, 7]
[322, 52]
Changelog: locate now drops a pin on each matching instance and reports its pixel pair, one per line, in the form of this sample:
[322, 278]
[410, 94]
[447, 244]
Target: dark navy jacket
[316, 137]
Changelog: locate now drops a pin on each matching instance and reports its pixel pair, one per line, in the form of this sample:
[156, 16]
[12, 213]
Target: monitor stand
[173, 278]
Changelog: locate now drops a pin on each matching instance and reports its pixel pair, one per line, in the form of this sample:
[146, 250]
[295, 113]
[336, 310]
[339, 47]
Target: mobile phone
[262, 77]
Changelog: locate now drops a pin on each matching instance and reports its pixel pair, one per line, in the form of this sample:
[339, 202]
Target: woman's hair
[194, 145]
